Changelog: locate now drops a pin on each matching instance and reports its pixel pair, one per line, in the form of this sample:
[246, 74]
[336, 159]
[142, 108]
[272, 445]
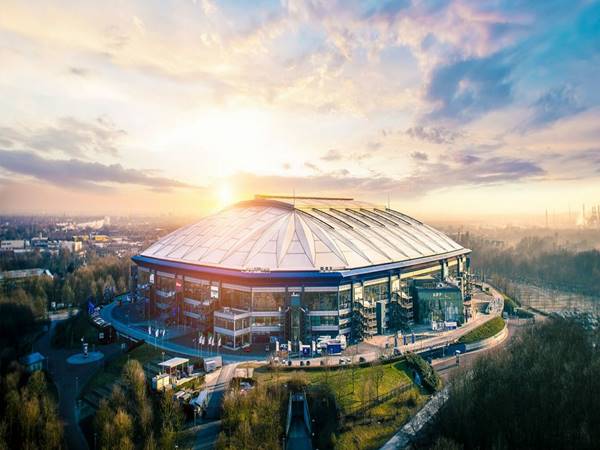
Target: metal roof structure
[278, 233]
[173, 362]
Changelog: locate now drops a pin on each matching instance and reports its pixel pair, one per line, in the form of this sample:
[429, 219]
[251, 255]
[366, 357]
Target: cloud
[436, 135]
[80, 174]
[469, 88]
[69, 136]
[553, 105]
[430, 176]
[332, 155]
[79, 71]
[419, 156]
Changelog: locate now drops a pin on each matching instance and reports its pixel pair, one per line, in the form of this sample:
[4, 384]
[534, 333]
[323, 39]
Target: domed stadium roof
[301, 233]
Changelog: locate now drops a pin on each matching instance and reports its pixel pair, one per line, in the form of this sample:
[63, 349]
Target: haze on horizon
[448, 108]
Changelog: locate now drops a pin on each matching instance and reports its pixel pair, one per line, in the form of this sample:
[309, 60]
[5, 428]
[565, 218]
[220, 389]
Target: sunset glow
[155, 108]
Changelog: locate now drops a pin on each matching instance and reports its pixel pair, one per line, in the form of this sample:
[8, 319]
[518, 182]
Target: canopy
[173, 362]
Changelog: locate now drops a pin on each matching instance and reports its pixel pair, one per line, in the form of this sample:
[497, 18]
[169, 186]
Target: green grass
[382, 422]
[340, 380]
[484, 331]
[107, 376]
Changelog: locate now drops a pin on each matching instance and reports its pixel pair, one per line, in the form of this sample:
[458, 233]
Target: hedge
[487, 330]
[429, 377]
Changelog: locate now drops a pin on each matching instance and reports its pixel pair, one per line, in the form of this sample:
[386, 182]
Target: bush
[524, 314]
[429, 377]
[487, 330]
[510, 305]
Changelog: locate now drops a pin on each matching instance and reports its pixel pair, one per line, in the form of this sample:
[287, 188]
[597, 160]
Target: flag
[156, 333]
[149, 330]
[201, 339]
[219, 342]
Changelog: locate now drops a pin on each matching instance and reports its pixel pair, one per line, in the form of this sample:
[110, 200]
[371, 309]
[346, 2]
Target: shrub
[429, 377]
[510, 305]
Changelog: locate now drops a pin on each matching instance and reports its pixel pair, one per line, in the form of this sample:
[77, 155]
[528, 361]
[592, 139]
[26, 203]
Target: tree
[66, 293]
[539, 393]
[377, 375]
[28, 416]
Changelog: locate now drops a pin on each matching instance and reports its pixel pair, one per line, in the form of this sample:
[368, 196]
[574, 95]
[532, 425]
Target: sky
[444, 109]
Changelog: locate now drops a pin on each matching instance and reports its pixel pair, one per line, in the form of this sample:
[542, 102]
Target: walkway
[69, 380]
[137, 333]
[217, 383]
[298, 437]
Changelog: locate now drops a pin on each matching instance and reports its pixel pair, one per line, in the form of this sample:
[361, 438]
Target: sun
[225, 195]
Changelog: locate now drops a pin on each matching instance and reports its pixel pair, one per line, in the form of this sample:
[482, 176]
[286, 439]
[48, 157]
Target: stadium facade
[295, 268]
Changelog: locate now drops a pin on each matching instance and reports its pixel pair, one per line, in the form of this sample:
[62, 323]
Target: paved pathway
[69, 380]
[106, 314]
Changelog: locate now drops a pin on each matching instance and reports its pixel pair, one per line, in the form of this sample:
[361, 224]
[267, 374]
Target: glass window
[143, 277]
[345, 299]
[268, 301]
[223, 323]
[236, 299]
[323, 320]
[165, 283]
[376, 292]
[196, 291]
[320, 301]
[266, 321]
[240, 324]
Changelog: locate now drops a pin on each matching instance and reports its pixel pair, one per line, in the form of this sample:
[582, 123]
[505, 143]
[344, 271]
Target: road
[446, 367]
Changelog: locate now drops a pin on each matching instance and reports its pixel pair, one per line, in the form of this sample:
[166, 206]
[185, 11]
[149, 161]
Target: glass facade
[143, 277]
[234, 298]
[165, 284]
[376, 292]
[363, 308]
[196, 291]
[320, 301]
[345, 299]
[268, 301]
[268, 321]
[316, 321]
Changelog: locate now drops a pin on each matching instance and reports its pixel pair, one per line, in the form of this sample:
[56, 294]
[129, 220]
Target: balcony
[165, 293]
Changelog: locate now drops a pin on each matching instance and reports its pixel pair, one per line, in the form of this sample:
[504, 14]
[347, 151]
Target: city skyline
[444, 108]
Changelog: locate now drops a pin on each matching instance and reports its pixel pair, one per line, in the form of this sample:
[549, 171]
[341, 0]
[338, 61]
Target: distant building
[20, 275]
[32, 362]
[72, 246]
[12, 245]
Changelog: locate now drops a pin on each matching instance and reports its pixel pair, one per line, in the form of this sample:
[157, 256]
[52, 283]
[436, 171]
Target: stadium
[297, 268]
